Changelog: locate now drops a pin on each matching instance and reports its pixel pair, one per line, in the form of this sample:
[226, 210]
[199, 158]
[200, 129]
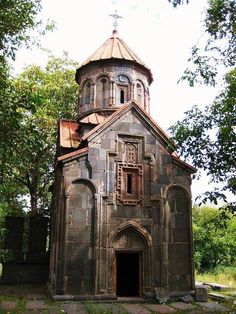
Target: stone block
[160, 308]
[178, 250]
[180, 266]
[162, 294]
[181, 221]
[201, 293]
[214, 307]
[183, 306]
[35, 296]
[157, 272]
[150, 139]
[35, 305]
[186, 298]
[180, 235]
[8, 305]
[135, 309]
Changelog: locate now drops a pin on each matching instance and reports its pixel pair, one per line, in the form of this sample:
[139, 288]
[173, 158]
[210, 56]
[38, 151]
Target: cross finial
[115, 17]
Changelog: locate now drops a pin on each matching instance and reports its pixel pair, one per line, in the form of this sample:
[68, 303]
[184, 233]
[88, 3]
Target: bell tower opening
[122, 96]
[128, 274]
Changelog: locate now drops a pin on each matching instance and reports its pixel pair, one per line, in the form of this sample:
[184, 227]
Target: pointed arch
[134, 226]
[88, 182]
[178, 191]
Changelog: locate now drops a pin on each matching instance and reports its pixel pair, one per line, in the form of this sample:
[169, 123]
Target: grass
[225, 276]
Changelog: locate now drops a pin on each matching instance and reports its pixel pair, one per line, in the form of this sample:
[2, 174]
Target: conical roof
[115, 48]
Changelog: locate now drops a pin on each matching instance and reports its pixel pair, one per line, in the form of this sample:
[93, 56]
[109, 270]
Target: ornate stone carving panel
[129, 183]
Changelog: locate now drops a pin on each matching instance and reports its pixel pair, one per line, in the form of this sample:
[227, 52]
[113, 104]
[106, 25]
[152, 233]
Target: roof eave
[82, 67]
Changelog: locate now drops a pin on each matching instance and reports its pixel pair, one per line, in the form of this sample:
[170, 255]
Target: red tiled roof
[69, 137]
[73, 154]
[93, 118]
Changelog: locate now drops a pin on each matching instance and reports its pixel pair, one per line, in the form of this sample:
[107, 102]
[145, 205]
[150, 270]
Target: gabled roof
[69, 135]
[76, 153]
[115, 48]
[117, 114]
[93, 118]
[168, 143]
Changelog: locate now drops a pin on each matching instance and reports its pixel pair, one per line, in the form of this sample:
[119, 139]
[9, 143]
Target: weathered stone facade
[121, 222]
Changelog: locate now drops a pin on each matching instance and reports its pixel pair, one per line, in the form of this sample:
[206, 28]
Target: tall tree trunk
[33, 201]
[34, 191]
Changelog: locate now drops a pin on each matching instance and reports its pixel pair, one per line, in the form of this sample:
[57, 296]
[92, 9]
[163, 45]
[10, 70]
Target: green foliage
[219, 50]
[40, 97]
[17, 17]
[214, 233]
[225, 275]
[207, 137]
[6, 256]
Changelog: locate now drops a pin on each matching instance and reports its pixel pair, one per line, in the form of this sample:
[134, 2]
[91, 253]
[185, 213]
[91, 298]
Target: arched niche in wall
[178, 224]
[102, 92]
[123, 89]
[86, 93]
[80, 236]
[140, 95]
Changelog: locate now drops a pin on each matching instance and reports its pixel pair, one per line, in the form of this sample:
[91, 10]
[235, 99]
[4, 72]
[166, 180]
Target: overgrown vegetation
[41, 96]
[214, 233]
[221, 275]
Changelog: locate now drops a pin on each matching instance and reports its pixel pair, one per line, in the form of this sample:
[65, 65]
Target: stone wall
[25, 248]
[102, 217]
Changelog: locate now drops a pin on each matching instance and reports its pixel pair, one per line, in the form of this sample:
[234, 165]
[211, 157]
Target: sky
[159, 34]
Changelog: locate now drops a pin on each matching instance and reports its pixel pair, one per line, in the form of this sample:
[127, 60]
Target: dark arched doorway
[130, 262]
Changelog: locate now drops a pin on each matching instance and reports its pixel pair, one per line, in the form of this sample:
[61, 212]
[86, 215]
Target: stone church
[121, 218]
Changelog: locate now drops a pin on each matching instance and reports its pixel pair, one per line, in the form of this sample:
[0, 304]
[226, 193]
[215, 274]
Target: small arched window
[122, 96]
[123, 89]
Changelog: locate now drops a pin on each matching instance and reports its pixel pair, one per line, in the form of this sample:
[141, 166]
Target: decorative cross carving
[115, 17]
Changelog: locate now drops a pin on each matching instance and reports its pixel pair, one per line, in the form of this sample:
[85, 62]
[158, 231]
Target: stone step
[218, 286]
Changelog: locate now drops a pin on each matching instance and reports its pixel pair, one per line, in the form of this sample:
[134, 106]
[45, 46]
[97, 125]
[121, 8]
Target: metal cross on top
[115, 17]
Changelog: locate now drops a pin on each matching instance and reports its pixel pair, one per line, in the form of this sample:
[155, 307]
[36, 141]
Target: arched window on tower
[140, 93]
[123, 91]
[122, 96]
[102, 92]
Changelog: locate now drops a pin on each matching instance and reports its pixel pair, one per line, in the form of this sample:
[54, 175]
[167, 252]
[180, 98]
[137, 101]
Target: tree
[17, 18]
[214, 233]
[217, 47]
[207, 137]
[41, 97]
